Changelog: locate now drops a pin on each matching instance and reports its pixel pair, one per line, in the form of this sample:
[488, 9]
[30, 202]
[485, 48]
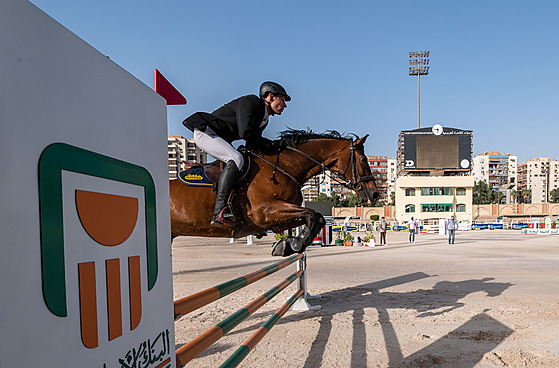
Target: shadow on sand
[444, 297]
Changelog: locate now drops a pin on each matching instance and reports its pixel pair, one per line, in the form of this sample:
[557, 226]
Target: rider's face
[277, 103]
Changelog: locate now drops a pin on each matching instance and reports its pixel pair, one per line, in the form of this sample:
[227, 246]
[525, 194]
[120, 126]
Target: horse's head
[357, 171]
[337, 153]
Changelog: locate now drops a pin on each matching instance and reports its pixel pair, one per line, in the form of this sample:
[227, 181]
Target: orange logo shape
[109, 219]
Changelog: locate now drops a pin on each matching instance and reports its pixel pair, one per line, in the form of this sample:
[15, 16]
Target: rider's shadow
[444, 297]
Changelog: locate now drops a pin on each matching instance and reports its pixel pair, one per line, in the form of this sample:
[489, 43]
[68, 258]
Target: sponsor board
[86, 267]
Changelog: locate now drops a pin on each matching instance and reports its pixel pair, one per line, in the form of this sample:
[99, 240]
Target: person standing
[411, 227]
[382, 230]
[243, 118]
[451, 226]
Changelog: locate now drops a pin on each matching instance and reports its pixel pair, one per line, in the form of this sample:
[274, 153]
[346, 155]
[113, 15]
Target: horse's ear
[361, 141]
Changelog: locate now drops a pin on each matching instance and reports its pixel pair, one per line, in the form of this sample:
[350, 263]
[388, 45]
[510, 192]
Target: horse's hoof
[281, 249]
[296, 245]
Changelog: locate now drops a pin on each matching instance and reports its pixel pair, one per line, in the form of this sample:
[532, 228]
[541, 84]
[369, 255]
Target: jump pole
[256, 337]
[192, 302]
[196, 346]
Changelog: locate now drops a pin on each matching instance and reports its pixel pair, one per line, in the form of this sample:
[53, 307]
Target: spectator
[451, 226]
[412, 226]
[382, 230]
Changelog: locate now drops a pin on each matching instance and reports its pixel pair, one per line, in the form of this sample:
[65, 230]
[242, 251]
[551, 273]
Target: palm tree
[525, 194]
[514, 195]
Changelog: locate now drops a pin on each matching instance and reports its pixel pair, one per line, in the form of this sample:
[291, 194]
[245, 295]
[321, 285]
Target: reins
[355, 183]
[275, 166]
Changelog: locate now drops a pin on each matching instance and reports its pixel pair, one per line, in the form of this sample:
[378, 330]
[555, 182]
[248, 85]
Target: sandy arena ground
[490, 300]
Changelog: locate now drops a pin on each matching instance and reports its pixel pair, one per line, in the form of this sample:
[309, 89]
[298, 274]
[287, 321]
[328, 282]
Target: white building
[434, 197]
[181, 149]
[384, 171]
[540, 176]
[327, 184]
[496, 169]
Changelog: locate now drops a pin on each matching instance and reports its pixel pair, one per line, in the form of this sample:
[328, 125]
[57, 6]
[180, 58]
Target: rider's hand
[259, 144]
[279, 144]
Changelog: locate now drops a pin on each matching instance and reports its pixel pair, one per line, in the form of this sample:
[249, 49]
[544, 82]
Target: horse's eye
[364, 160]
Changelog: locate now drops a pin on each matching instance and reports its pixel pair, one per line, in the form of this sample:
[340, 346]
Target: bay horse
[270, 197]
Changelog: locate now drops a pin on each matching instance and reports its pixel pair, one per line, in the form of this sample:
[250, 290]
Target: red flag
[164, 88]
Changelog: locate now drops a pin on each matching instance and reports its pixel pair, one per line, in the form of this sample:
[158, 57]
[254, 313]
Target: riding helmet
[273, 88]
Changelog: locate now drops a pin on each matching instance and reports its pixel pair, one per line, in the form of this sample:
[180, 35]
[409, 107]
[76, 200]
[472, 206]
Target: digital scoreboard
[437, 148]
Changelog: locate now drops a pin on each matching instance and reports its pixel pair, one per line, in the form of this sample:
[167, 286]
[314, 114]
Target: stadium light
[418, 58]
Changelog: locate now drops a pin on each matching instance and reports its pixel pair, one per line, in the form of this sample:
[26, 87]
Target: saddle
[207, 175]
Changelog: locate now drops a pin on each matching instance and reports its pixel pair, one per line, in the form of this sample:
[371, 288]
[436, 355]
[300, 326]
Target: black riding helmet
[274, 89]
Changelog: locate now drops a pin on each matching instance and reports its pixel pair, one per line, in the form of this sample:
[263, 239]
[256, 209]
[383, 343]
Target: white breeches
[217, 147]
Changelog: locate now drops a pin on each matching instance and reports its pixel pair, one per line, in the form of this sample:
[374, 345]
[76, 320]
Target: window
[436, 191]
[436, 208]
[461, 207]
[410, 192]
[410, 208]
[460, 191]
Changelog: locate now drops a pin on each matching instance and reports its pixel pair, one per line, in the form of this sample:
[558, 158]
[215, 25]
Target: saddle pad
[195, 177]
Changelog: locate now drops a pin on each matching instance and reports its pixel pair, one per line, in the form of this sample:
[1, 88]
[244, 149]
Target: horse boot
[222, 212]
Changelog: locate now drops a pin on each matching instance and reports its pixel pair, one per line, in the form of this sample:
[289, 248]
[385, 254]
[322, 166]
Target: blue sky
[493, 65]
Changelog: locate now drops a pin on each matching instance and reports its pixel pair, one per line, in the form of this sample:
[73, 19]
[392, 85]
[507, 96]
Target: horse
[270, 197]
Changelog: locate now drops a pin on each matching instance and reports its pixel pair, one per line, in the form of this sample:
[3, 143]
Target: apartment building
[540, 176]
[384, 171]
[496, 169]
[180, 149]
[382, 168]
[328, 184]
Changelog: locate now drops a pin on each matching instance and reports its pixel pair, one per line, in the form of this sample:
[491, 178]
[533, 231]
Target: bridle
[357, 179]
[354, 184]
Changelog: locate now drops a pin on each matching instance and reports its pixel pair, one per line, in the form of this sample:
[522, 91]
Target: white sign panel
[85, 201]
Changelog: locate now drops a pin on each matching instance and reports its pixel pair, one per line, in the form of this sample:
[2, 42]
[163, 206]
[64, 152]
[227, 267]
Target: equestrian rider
[243, 118]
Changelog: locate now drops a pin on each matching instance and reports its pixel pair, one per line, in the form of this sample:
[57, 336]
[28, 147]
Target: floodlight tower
[419, 66]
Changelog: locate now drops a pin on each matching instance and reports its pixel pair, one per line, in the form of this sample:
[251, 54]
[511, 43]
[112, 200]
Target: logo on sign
[109, 220]
[410, 163]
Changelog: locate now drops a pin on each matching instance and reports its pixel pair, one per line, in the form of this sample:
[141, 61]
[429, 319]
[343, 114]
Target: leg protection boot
[222, 213]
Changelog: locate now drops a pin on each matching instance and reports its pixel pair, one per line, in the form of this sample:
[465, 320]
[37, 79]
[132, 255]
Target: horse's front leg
[281, 216]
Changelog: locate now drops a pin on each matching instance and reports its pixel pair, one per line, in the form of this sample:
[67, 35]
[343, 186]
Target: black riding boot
[222, 213]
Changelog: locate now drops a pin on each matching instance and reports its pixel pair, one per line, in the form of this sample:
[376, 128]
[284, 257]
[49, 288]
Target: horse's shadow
[444, 297]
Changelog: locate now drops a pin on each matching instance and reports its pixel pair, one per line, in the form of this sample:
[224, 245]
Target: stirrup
[223, 218]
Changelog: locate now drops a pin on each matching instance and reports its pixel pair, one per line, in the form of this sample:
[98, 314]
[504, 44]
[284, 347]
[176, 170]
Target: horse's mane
[294, 137]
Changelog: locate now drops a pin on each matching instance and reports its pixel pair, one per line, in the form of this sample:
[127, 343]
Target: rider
[243, 118]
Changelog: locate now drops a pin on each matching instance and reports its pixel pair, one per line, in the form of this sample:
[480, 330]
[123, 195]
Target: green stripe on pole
[271, 321]
[230, 286]
[271, 293]
[233, 320]
[275, 317]
[271, 269]
[237, 357]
